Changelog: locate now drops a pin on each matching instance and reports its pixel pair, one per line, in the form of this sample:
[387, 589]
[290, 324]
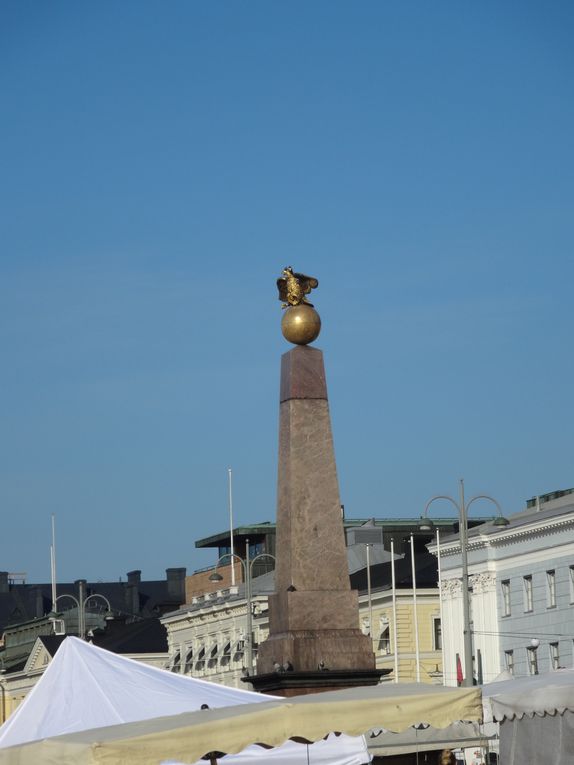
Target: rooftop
[387, 524]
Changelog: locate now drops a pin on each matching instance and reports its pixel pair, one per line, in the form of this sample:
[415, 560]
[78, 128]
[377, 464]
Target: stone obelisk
[314, 638]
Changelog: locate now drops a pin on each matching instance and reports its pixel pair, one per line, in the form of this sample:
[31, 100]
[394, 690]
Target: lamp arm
[231, 556]
[98, 595]
[484, 496]
[65, 595]
[261, 555]
[440, 496]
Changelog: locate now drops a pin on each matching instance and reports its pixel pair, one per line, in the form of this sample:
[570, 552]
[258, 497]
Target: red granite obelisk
[314, 641]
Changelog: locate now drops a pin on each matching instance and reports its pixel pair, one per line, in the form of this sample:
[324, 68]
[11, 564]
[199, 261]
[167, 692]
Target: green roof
[267, 527]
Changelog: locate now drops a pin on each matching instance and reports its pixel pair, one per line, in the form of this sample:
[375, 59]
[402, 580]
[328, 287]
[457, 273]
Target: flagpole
[440, 605]
[417, 653]
[394, 610]
[231, 550]
[53, 563]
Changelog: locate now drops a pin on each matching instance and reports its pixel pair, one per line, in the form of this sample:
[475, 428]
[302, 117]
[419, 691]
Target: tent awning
[416, 739]
[548, 693]
[96, 695]
[189, 736]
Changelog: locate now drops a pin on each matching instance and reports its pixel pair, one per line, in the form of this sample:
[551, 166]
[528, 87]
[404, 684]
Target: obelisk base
[301, 683]
[315, 650]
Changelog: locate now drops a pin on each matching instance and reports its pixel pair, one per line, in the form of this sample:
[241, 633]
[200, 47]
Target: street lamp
[533, 656]
[248, 575]
[81, 606]
[426, 524]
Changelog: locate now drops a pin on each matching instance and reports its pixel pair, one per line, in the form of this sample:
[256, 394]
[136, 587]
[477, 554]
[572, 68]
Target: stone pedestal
[314, 614]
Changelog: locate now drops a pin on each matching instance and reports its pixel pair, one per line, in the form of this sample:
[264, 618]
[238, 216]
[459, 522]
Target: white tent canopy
[536, 716]
[458, 735]
[191, 735]
[86, 688]
[548, 693]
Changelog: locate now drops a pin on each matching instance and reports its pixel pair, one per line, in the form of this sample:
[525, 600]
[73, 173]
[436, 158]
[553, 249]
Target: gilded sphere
[301, 324]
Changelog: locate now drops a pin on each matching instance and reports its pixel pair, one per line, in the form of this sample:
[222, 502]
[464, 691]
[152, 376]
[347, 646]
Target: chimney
[38, 602]
[176, 584]
[133, 592]
[4, 586]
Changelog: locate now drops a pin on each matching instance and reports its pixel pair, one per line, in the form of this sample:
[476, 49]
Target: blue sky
[160, 163]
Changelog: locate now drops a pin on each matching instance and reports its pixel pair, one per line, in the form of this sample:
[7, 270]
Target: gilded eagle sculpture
[293, 287]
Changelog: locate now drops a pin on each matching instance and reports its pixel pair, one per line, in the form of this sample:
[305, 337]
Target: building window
[509, 661]
[437, 633]
[365, 626]
[256, 549]
[532, 660]
[188, 661]
[385, 640]
[212, 657]
[505, 597]
[176, 663]
[226, 655]
[551, 589]
[238, 649]
[527, 583]
[571, 574]
[200, 663]
[554, 656]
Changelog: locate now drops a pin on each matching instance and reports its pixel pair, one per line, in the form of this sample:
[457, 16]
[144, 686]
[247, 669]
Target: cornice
[506, 536]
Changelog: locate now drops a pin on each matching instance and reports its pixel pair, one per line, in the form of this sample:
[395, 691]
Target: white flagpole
[53, 563]
[369, 593]
[394, 610]
[417, 653]
[440, 605]
[231, 529]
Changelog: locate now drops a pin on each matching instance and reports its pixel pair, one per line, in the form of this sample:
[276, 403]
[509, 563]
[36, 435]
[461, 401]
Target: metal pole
[2, 686]
[396, 647]
[81, 611]
[231, 529]
[249, 613]
[467, 680]
[440, 605]
[53, 563]
[416, 619]
[370, 600]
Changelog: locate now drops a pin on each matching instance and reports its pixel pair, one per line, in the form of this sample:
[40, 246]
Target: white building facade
[521, 588]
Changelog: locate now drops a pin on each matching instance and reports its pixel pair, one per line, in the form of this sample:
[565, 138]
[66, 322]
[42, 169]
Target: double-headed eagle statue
[293, 287]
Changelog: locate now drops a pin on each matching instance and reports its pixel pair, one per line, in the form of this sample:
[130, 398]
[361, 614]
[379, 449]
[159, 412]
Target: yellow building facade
[207, 638]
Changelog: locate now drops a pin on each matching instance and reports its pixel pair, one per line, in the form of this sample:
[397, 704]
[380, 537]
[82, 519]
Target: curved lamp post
[81, 606]
[248, 572]
[425, 524]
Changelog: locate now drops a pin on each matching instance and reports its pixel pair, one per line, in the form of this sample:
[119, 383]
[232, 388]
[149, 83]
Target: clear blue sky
[161, 162]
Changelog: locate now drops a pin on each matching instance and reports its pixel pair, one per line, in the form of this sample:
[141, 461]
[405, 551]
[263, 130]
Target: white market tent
[86, 688]
[191, 735]
[536, 716]
[458, 735]
[531, 717]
